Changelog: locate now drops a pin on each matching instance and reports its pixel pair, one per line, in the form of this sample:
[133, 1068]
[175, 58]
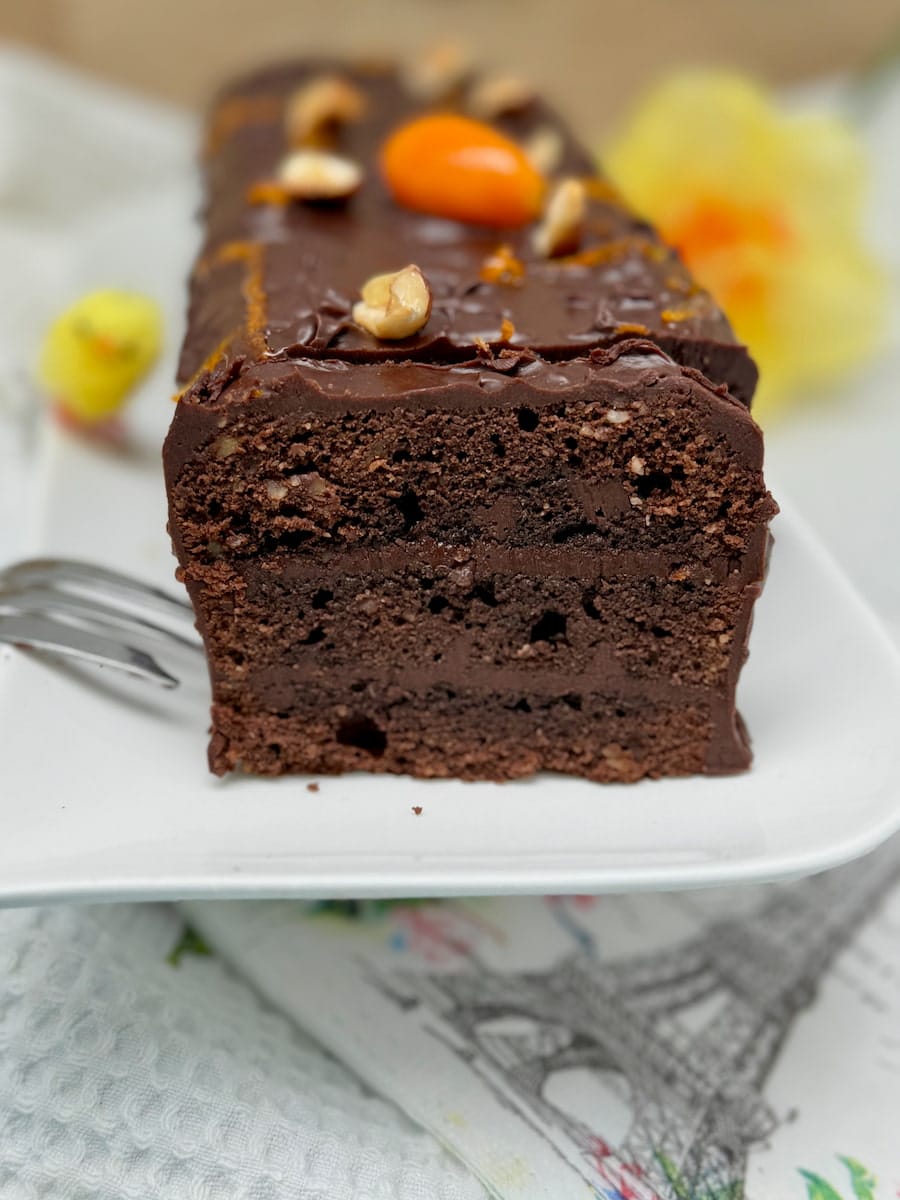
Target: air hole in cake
[587, 603]
[568, 533]
[291, 539]
[574, 460]
[314, 636]
[659, 632]
[214, 508]
[322, 597]
[657, 481]
[410, 510]
[359, 686]
[571, 443]
[485, 593]
[573, 700]
[551, 627]
[499, 448]
[364, 734]
[521, 706]
[528, 419]
[401, 454]
[437, 604]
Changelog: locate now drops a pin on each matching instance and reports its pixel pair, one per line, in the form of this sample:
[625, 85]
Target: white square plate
[103, 785]
[104, 791]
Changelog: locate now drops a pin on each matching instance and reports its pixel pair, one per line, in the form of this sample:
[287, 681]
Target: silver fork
[91, 613]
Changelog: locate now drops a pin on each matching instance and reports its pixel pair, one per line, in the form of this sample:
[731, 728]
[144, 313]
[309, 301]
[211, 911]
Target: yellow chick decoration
[95, 353]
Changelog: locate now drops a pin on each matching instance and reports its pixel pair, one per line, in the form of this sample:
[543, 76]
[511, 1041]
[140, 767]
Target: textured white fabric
[124, 1076]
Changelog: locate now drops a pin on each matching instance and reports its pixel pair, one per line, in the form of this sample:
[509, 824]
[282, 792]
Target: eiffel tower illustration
[687, 1035]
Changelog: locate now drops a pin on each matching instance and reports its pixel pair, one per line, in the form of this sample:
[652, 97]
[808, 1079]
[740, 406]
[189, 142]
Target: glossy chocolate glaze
[306, 263]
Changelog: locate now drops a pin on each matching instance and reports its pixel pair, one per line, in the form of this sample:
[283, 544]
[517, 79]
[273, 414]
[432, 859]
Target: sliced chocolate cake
[463, 479]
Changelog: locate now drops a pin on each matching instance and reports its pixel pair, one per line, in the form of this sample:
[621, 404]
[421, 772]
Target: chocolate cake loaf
[456, 488]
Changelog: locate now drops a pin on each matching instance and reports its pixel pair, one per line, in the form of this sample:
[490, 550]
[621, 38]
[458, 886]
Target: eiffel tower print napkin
[692, 1046]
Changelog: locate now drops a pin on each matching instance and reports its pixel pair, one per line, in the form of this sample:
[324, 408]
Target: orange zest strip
[601, 189]
[267, 191]
[238, 113]
[208, 363]
[502, 267]
[251, 254]
[608, 252]
[683, 285]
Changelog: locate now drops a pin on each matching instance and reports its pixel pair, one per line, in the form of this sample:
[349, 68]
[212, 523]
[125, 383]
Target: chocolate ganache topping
[278, 281]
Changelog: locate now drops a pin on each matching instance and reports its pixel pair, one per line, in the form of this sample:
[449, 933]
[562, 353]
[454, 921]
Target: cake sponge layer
[441, 732]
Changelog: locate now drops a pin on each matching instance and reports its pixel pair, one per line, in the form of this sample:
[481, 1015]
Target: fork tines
[91, 612]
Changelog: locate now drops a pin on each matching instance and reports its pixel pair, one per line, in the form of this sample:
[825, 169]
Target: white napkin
[122, 1075]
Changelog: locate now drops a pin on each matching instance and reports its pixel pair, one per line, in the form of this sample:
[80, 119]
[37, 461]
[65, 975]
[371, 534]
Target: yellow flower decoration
[765, 209]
